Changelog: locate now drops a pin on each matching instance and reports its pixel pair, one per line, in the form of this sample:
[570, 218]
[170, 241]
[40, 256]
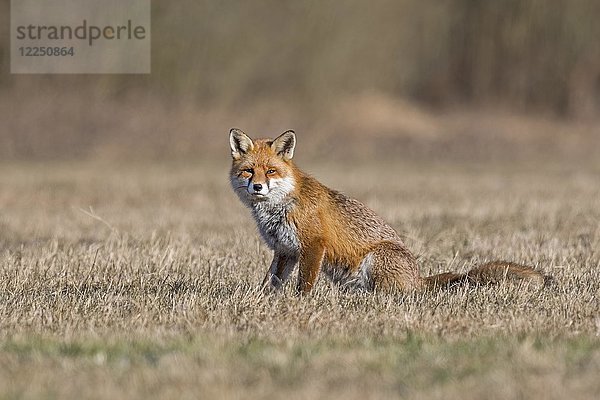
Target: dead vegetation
[142, 281]
[128, 269]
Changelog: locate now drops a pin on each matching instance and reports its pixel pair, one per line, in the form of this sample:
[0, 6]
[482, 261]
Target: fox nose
[257, 187]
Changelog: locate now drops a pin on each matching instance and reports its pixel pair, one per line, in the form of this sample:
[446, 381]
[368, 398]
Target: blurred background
[481, 80]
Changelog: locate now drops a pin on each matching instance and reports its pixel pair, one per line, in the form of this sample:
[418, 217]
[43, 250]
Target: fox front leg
[279, 271]
[310, 266]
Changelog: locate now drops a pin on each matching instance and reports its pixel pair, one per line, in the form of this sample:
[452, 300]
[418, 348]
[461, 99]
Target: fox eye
[271, 171]
[248, 170]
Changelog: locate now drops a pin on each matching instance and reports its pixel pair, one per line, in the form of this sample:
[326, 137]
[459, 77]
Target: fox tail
[490, 273]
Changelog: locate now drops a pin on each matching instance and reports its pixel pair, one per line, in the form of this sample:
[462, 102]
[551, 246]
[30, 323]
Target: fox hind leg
[392, 267]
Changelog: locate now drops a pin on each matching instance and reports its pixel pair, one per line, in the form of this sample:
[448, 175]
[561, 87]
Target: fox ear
[284, 145]
[240, 143]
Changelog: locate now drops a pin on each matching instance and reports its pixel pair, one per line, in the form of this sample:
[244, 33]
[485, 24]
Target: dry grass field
[129, 269]
[140, 281]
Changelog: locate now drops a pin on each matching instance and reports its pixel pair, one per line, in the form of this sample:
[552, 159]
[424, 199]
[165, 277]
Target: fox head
[262, 169]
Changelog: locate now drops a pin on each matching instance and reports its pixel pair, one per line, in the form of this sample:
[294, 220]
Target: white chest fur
[276, 230]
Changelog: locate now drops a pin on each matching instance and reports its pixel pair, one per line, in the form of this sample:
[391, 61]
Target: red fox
[308, 225]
